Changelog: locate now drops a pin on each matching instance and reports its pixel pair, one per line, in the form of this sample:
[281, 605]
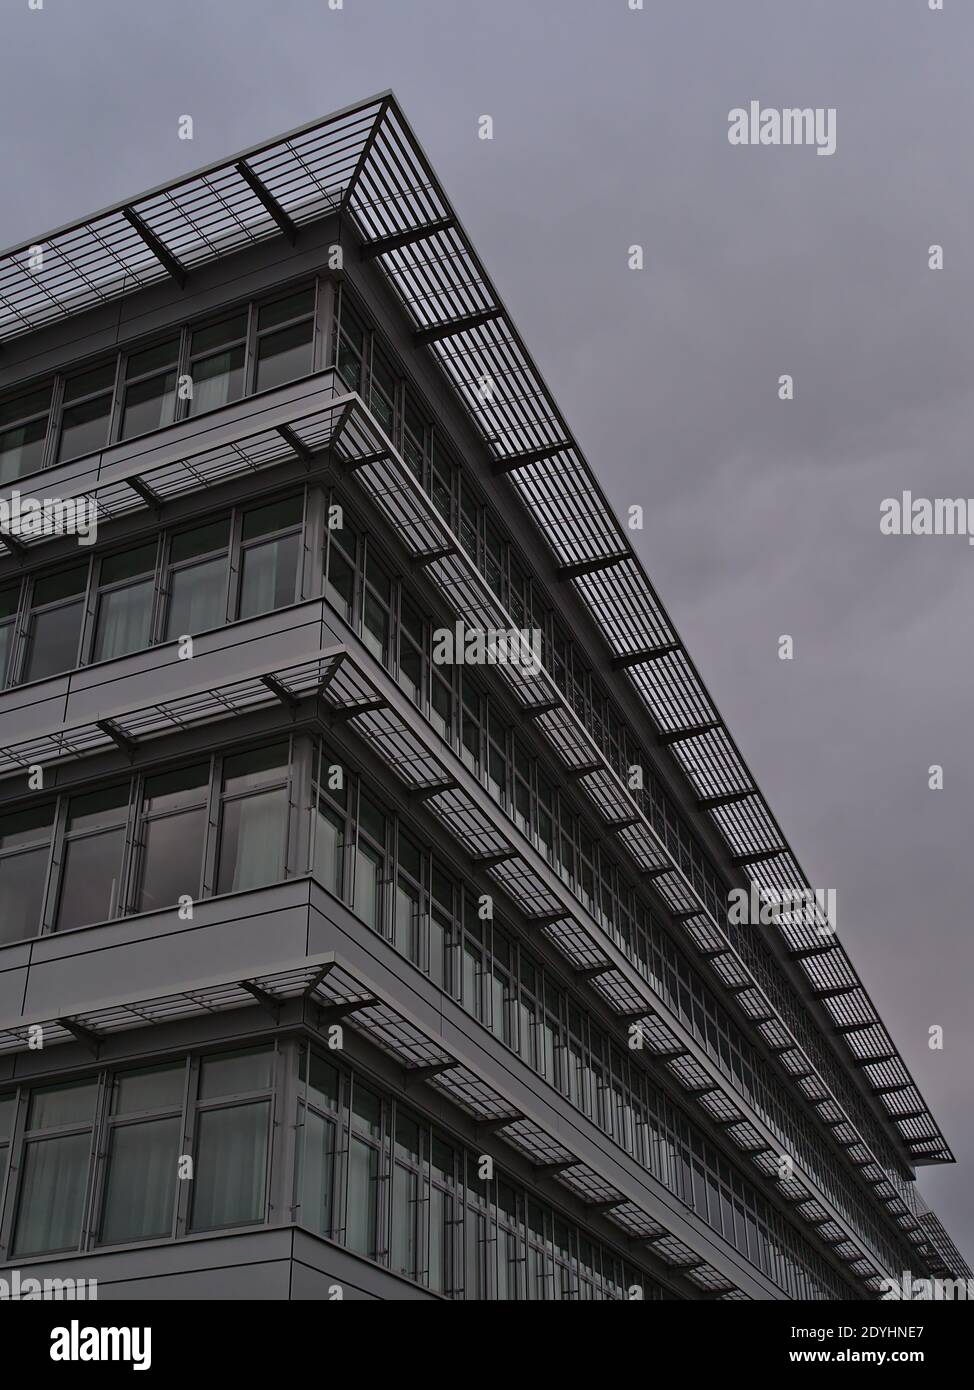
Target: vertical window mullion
[182, 369]
[115, 418]
[54, 422]
[212, 827]
[15, 1162]
[55, 866]
[97, 1164]
[184, 1188]
[234, 565]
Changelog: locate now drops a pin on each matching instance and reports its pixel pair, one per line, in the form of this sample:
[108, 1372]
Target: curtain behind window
[231, 1162]
[52, 1194]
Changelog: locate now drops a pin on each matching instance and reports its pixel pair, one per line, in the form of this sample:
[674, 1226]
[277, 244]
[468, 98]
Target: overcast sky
[762, 517]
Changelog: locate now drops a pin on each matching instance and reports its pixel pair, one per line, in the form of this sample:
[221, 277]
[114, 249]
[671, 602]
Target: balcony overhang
[338, 990]
[345, 684]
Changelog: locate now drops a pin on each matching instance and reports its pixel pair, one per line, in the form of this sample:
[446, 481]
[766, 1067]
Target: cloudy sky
[762, 518]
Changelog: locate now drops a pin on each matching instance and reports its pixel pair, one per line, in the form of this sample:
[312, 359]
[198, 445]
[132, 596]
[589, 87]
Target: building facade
[347, 947]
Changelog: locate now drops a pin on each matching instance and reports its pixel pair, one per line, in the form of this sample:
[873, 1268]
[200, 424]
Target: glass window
[198, 576]
[316, 1172]
[140, 1187]
[316, 1154]
[126, 586]
[329, 846]
[54, 623]
[9, 603]
[91, 870]
[253, 825]
[283, 356]
[8, 1105]
[298, 304]
[361, 1220]
[230, 1169]
[269, 561]
[23, 432]
[340, 570]
[236, 1073]
[87, 412]
[173, 833]
[217, 356]
[25, 842]
[54, 1174]
[149, 394]
[351, 347]
[285, 353]
[140, 1184]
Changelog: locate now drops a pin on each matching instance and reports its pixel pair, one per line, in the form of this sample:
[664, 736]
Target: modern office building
[335, 951]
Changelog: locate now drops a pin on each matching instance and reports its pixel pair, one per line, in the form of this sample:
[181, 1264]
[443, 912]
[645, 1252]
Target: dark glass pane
[128, 564]
[22, 449]
[290, 307]
[172, 859]
[276, 516]
[257, 768]
[269, 576]
[283, 356]
[375, 626]
[9, 603]
[52, 1194]
[24, 407]
[170, 791]
[252, 841]
[217, 380]
[407, 1138]
[60, 585]
[231, 1161]
[53, 1106]
[54, 637]
[363, 1194]
[366, 1111]
[124, 621]
[149, 405]
[91, 879]
[198, 598]
[368, 875]
[322, 1083]
[200, 540]
[236, 1073]
[28, 827]
[8, 1105]
[21, 894]
[372, 818]
[86, 383]
[329, 835]
[213, 335]
[84, 428]
[149, 1088]
[349, 365]
[97, 809]
[341, 582]
[141, 1185]
[316, 1170]
[162, 355]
